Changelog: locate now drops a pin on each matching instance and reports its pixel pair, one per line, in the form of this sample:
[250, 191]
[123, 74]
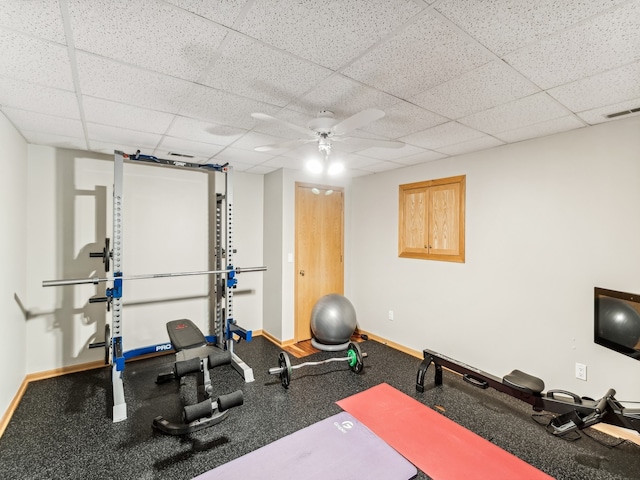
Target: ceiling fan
[325, 129]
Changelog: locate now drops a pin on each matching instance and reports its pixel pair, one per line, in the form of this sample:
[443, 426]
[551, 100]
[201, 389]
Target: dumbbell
[354, 357]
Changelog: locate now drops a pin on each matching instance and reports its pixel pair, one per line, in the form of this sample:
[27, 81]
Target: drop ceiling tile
[605, 88]
[402, 119]
[116, 135]
[33, 60]
[355, 162]
[224, 13]
[215, 106]
[284, 162]
[541, 129]
[426, 156]
[442, 135]
[343, 96]
[607, 41]
[106, 112]
[53, 140]
[474, 145]
[487, 86]
[187, 147]
[598, 115]
[103, 78]
[251, 140]
[506, 25]
[391, 153]
[36, 98]
[39, 122]
[519, 113]
[260, 169]
[434, 43]
[347, 28]
[380, 167]
[41, 18]
[193, 129]
[251, 69]
[233, 155]
[147, 34]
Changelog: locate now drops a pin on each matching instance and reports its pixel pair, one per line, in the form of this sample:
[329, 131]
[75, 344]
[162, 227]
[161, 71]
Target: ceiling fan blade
[358, 120]
[290, 143]
[269, 118]
[370, 142]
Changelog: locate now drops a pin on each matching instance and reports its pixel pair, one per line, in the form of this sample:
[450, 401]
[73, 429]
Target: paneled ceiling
[184, 76]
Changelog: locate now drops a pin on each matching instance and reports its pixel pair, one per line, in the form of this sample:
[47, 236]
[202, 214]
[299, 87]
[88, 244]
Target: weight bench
[195, 355]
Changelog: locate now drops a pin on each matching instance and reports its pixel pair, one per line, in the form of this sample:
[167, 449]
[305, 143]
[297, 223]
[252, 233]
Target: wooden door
[319, 248]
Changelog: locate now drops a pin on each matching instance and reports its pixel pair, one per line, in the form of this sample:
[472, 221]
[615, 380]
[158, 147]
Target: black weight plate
[107, 343]
[285, 364]
[359, 366]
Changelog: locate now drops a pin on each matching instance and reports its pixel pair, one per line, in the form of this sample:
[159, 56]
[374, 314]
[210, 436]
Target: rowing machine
[574, 412]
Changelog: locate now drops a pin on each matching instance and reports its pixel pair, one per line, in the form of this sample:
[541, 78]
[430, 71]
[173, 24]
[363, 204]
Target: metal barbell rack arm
[279, 370]
[96, 280]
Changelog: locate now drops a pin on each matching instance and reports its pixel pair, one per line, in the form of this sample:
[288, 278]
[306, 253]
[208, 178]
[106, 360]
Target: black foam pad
[230, 400]
[523, 382]
[222, 357]
[185, 334]
[199, 410]
[187, 366]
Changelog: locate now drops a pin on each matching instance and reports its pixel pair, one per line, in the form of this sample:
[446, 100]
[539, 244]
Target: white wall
[273, 253]
[13, 219]
[547, 220]
[165, 230]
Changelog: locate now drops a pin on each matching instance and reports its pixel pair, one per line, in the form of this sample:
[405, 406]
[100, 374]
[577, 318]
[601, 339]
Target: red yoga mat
[436, 445]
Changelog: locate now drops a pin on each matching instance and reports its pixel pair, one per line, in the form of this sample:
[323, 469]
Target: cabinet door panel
[444, 221]
[414, 226]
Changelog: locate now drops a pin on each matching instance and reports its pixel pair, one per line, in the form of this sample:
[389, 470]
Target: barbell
[355, 358]
[95, 280]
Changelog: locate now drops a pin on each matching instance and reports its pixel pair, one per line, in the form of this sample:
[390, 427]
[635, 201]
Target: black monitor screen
[617, 321]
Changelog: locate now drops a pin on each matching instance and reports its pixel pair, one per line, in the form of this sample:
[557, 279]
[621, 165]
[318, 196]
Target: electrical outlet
[581, 371]
[391, 315]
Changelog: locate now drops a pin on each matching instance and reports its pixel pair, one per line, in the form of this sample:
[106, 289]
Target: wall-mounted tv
[617, 321]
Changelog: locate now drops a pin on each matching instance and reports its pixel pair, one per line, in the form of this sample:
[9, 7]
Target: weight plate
[107, 343]
[285, 364]
[355, 352]
[106, 254]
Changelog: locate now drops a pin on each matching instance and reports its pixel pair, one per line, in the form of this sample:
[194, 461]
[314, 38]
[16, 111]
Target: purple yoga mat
[337, 448]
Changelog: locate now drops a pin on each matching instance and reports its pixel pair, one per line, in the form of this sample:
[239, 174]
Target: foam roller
[187, 366]
[199, 410]
[219, 358]
[230, 400]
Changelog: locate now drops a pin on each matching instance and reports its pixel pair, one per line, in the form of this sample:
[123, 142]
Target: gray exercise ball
[619, 322]
[333, 319]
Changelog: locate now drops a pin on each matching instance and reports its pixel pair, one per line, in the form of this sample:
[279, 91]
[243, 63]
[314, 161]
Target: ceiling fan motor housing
[323, 123]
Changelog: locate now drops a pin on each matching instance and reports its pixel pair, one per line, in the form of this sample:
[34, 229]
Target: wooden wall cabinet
[431, 219]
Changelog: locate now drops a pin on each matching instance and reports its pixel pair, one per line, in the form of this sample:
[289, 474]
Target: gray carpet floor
[62, 427]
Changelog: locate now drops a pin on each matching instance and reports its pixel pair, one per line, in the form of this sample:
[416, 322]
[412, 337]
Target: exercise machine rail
[575, 412]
